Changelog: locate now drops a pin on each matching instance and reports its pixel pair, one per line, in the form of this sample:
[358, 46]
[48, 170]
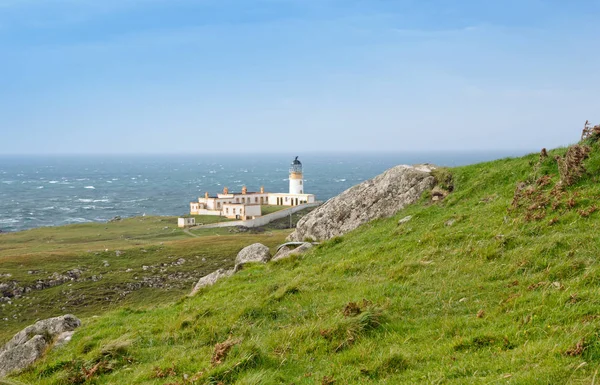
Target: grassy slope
[142, 241]
[269, 209]
[533, 284]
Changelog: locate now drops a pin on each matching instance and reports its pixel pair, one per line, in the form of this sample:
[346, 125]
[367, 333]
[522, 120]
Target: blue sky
[182, 76]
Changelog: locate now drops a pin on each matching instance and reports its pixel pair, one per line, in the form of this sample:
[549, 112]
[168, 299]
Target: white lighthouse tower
[296, 181]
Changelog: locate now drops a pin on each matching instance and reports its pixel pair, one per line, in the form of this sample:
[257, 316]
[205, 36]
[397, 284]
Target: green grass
[467, 292]
[33, 255]
[269, 209]
[208, 219]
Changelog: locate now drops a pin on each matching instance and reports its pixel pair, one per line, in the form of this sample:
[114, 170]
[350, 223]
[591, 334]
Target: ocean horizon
[52, 190]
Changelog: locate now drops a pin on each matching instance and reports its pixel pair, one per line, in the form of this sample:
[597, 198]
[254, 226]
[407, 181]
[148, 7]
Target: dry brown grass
[590, 132]
[221, 351]
[577, 349]
[570, 167]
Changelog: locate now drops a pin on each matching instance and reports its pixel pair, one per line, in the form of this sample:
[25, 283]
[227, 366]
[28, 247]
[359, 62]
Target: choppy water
[49, 191]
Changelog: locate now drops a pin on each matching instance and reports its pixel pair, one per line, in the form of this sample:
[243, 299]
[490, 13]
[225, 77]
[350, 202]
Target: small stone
[450, 222]
[405, 219]
[63, 338]
[286, 252]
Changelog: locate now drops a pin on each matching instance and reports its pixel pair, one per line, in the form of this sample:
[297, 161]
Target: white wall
[260, 221]
[290, 199]
[296, 186]
[253, 210]
[183, 222]
[208, 212]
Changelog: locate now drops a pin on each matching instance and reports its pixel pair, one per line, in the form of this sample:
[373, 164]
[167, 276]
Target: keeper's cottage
[247, 204]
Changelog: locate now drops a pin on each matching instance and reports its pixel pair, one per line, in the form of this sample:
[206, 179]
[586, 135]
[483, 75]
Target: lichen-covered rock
[286, 252]
[21, 356]
[379, 197]
[211, 279]
[281, 253]
[256, 253]
[29, 344]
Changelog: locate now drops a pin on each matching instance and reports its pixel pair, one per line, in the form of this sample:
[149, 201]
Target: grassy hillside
[478, 288]
[134, 261]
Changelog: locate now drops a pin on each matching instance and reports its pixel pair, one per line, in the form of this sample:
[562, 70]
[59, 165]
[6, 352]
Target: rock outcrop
[255, 253]
[379, 197]
[30, 343]
[211, 279]
[286, 252]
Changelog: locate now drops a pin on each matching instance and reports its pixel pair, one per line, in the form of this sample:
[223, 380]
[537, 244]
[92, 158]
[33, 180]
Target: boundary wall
[259, 221]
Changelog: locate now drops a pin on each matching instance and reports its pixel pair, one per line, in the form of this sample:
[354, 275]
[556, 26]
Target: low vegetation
[495, 283]
[269, 209]
[88, 269]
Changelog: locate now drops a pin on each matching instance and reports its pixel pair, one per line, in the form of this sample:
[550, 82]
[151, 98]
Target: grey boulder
[380, 197]
[29, 344]
[211, 279]
[255, 253]
[286, 252]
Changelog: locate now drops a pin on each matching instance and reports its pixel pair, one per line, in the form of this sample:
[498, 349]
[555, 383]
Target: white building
[241, 210]
[186, 222]
[247, 205]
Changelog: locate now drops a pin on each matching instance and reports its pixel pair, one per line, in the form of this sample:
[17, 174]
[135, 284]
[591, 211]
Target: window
[256, 200]
[227, 210]
[237, 200]
[300, 183]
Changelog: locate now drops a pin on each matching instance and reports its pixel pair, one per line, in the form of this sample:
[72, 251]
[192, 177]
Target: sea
[38, 191]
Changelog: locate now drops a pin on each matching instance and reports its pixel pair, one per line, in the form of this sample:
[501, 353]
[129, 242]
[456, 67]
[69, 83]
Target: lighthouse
[296, 181]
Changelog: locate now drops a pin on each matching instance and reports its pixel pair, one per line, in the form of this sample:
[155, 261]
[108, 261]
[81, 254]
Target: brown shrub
[589, 131]
[571, 167]
[221, 351]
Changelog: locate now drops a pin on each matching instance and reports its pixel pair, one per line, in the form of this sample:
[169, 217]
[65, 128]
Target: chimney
[225, 190]
[244, 190]
[262, 189]
[206, 195]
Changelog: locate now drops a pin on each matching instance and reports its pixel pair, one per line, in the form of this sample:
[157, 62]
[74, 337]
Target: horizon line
[238, 153]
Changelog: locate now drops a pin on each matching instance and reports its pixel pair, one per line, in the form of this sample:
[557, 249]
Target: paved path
[188, 232]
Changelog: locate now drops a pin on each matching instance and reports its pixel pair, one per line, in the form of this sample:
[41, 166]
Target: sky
[259, 76]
